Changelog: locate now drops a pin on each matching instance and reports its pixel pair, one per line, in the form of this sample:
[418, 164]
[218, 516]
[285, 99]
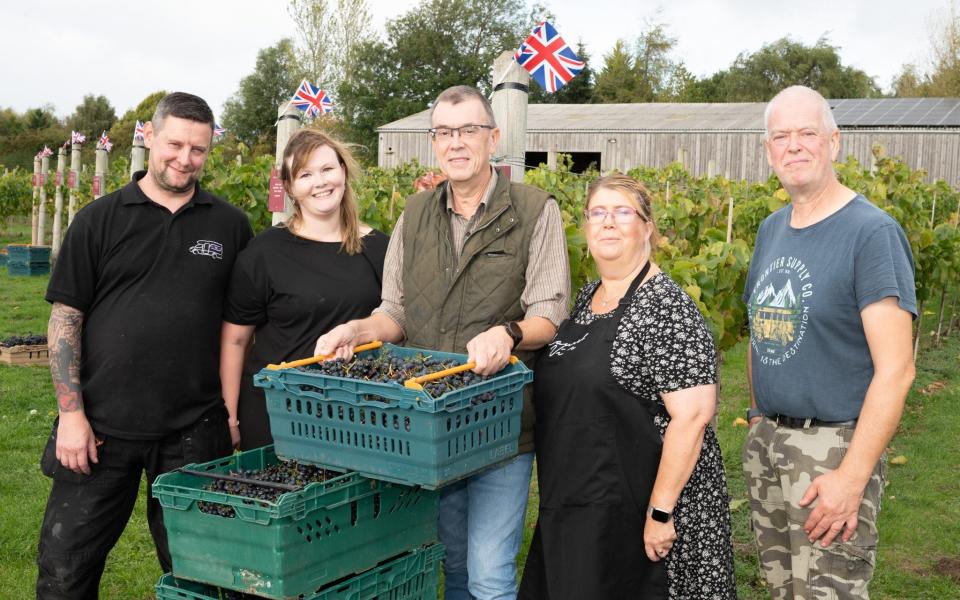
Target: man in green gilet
[477, 266]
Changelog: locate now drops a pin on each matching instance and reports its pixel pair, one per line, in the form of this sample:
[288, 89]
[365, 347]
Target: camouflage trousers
[780, 463]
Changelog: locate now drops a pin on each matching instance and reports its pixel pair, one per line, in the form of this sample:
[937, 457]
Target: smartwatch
[514, 331]
[753, 412]
[659, 515]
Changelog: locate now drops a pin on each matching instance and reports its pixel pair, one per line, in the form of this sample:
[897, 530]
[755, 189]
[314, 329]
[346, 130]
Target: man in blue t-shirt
[831, 300]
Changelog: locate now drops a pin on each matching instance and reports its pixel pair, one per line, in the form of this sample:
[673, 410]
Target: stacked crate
[28, 260]
[304, 544]
[371, 532]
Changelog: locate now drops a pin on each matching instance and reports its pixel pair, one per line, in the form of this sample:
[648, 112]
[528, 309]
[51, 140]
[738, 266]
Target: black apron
[598, 451]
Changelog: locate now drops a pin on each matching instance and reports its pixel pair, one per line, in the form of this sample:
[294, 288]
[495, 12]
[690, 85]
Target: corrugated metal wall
[737, 154]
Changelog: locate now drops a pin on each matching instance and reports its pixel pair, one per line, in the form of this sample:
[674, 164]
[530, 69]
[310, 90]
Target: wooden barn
[724, 139]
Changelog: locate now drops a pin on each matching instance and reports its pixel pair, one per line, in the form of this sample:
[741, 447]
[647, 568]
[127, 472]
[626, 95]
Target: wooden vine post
[73, 180]
[288, 122]
[137, 155]
[58, 205]
[510, 97]
[42, 208]
[36, 199]
[100, 173]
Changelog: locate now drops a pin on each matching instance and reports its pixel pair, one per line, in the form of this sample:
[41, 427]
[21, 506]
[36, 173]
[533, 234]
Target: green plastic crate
[393, 433]
[25, 254]
[24, 260]
[413, 576]
[297, 544]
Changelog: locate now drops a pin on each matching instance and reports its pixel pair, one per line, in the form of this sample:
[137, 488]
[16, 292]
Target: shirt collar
[487, 194]
[132, 194]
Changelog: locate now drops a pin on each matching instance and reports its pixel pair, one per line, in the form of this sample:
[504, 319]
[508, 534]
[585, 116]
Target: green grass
[919, 523]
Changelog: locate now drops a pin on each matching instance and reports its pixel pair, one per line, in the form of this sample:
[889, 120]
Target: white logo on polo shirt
[208, 248]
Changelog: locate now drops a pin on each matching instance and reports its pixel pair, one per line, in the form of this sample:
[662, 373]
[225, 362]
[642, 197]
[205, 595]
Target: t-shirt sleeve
[883, 267]
[678, 346]
[74, 278]
[248, 292]
[748, 285]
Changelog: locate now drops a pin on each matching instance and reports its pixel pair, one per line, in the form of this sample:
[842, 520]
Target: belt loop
[807, 422]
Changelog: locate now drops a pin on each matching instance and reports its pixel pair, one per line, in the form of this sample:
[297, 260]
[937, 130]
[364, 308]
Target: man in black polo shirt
[134, 334]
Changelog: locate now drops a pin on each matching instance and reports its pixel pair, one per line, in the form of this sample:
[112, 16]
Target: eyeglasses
[782, 138]
[622, 215]
[467, 132]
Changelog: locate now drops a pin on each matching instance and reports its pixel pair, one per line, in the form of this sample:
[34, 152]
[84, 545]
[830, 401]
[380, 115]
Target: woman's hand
[658, 538]
[235, 436]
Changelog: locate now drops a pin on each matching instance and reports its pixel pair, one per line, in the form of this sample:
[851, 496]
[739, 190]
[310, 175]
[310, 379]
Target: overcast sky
[57, 51]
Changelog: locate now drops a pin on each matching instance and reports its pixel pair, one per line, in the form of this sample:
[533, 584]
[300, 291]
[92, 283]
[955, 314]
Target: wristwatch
[752, 413]
[659, 515]
[514, 331]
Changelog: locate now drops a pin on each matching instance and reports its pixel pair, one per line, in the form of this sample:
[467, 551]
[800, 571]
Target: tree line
[438, 43]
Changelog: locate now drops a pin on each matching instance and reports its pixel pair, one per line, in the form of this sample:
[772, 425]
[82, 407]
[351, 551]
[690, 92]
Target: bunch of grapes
[290, 473]
[391, 368]
[24, 340]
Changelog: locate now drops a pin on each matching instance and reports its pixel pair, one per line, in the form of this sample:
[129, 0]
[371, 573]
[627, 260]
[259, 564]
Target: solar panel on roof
[896, 112]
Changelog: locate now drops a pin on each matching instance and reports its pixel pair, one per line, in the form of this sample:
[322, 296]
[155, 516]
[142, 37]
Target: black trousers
[86, 514]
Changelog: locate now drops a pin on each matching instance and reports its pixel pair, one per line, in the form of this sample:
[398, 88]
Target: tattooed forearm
[63, 340]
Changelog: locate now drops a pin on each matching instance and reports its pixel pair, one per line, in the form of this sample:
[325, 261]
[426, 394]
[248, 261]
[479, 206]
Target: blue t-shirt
[804, 293]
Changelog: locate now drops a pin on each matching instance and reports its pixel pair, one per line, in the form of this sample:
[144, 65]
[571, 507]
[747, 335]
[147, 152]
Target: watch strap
[514, 331]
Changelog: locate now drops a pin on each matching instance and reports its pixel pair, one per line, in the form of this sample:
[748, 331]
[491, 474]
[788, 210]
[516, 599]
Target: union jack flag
[218, 131]
[104, 142]
[77, 138]
[548, 58]
[45, 152]
[138, 133]
[311, 99]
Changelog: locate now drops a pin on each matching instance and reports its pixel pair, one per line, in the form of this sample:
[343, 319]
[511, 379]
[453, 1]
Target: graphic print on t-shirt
[780, 310]
[208, 248]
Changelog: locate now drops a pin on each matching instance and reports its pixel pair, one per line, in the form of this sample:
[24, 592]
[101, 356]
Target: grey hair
[183, 106]
[463, 93]
[826, 113]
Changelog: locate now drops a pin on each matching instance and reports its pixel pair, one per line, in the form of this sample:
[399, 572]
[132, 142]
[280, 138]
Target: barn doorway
[581, 160]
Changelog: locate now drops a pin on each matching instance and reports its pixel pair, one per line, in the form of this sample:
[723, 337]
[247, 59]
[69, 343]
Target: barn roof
[734, 116]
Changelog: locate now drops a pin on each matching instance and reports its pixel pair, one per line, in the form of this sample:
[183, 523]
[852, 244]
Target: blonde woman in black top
[294, 282]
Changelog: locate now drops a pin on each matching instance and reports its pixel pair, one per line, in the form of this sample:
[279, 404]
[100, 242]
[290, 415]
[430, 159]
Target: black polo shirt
[151, 285]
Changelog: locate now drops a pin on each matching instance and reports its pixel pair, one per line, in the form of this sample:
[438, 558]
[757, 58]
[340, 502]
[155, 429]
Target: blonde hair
[297, 153]
[633, 190]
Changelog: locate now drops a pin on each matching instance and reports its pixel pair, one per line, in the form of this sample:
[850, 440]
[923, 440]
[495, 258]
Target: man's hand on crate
[76, 444]
[490, 350]
[342, 339]
[339, 341]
